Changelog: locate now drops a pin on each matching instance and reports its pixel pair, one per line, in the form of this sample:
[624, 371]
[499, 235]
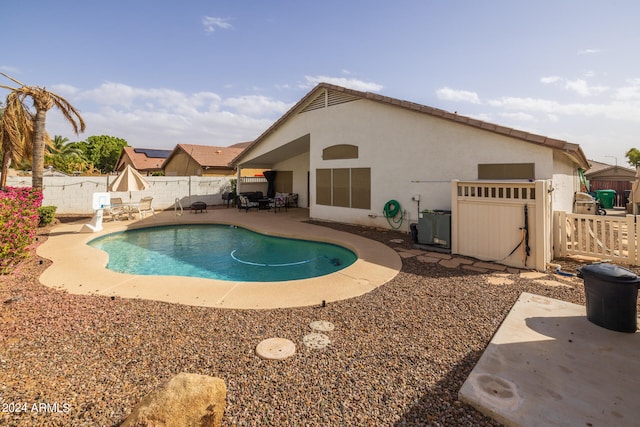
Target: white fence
[73, 195]
[603, 237]
[491, 221]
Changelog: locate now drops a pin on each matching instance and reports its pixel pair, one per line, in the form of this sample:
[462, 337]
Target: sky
[159, 73]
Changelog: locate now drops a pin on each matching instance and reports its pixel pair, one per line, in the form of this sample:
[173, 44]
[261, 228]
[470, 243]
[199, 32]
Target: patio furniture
[198, 206]
[264, 204]
[116, 209]
[278, 202]
[228, 197]
[246, 204]
[144, 207]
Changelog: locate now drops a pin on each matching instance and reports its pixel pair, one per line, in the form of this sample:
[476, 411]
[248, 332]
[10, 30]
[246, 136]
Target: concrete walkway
[80, 269]
[547, 365]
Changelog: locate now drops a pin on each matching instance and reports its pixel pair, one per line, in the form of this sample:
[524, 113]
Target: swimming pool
[222, 252]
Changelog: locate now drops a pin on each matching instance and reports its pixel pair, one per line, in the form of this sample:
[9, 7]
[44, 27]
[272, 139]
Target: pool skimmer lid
[275, 349]
[316, 341]
[322, 326]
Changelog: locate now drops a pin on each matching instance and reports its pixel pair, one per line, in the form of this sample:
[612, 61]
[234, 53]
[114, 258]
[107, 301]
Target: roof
[342, 94]
[144, 158]
[209, 156]
[606, 172]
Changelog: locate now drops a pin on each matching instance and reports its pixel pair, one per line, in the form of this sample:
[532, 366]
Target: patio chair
[144, 207]
[116, 209]
[278, 202]
[246, 204]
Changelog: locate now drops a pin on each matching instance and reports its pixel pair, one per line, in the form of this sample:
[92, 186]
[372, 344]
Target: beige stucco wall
[565, 183]
[409, 153]
[300, 166]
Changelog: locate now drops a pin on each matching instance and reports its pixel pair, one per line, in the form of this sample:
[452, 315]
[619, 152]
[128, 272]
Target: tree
[43, 101]
[633, 156]
[103, 151]
[16, 134]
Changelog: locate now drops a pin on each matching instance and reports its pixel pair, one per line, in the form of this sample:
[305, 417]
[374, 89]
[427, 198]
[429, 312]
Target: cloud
[211, 23]
[550, 79]
[589, 51]
[64, 89]
[355, 84]
[519, 116]
[448, 94]
[162, 118]
[256, 105]
[631, 92]
[9, 69]
[579, 86]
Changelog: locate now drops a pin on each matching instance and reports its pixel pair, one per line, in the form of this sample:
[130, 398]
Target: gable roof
[325, 94]
[208, 155]
[606, 172]
[144, 158]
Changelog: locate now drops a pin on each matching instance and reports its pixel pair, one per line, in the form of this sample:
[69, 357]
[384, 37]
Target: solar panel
[150, 152]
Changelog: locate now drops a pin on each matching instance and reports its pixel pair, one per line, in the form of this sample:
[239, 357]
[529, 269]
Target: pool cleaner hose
[391, 211]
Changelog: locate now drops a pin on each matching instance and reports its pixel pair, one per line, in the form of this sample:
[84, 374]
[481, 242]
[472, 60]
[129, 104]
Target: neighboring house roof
[143, 158]
[606, 172]
[207, 155]
[340, 94]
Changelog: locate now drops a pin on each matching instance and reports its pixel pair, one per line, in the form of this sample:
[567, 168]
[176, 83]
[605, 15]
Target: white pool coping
[80, 269]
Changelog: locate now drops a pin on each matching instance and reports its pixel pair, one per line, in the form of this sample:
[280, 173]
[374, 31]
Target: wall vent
[327, 99]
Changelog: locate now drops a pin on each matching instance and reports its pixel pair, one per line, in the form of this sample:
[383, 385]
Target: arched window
[340, 151]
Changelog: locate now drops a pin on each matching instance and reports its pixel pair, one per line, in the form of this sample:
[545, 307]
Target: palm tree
[62, 147]
[43, 101]
[16, 132]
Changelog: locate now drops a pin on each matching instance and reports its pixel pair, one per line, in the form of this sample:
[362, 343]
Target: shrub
[18, 224]
[46, 215]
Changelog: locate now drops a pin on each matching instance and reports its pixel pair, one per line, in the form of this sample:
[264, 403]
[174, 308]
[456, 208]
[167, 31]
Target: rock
[186, 400]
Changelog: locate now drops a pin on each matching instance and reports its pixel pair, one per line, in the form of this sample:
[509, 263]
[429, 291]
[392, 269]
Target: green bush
[46, 214]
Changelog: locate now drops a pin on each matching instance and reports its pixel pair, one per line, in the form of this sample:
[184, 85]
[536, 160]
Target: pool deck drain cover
[316, 341]
[322, 326]
[275, 348]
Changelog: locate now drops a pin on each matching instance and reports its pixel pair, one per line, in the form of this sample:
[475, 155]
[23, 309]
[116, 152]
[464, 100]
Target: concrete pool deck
[80, 269]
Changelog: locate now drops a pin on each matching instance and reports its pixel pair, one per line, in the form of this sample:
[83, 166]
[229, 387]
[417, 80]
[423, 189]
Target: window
[340, 151]
[344, 187]
[507, 171]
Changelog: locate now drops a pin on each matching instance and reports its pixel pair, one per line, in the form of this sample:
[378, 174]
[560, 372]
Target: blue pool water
[220, 252]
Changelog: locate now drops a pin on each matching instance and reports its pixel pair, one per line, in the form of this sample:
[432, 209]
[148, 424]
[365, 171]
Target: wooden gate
[604, 237]
[504, 222]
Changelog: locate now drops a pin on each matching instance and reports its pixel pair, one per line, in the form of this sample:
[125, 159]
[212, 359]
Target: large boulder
[187, 400]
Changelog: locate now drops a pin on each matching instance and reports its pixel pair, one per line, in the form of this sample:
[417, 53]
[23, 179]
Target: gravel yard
[398, 355]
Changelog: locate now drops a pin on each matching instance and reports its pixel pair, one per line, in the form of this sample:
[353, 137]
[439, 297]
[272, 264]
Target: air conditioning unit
[434, 228]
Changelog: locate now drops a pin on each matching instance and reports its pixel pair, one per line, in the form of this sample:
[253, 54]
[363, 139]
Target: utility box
[434, 229]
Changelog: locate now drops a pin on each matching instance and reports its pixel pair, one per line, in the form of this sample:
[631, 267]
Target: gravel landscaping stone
[398, 355]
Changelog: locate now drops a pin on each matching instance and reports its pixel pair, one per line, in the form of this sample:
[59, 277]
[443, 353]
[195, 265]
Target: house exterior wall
[181, 164]
[300, 167]
[566, 182]
[411, 155]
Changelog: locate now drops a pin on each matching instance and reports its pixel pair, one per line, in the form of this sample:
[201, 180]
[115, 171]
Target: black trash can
[612, 296]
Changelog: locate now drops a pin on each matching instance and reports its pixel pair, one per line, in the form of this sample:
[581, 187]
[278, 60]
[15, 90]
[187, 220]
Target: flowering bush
[18, 224]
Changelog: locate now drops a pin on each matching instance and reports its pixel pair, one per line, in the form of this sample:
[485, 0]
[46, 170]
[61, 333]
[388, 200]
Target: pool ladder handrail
[177, 204]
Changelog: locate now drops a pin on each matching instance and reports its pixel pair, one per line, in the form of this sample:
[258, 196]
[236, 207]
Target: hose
[391, 210]
[559, 271]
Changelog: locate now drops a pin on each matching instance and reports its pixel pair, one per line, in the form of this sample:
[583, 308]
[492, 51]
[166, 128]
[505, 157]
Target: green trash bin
[607, 198]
